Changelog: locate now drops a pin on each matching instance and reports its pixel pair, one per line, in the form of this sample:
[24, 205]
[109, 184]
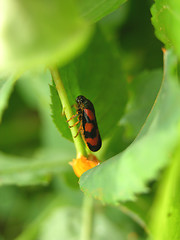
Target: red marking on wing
[93, 141]
[88, 127]
[89, 113]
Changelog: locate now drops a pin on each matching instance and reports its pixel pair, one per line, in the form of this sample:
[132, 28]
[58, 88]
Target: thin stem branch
[79, 145]
[87, 218]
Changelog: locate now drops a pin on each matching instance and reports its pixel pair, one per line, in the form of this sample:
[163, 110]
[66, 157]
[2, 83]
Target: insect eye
[80, 99]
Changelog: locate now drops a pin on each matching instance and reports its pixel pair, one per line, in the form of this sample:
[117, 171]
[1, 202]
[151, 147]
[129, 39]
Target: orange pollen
[82, 164]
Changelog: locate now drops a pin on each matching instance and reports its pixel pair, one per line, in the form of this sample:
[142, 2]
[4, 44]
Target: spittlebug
[88, 124]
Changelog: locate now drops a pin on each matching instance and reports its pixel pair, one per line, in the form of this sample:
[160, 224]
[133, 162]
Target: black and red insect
[88, 124]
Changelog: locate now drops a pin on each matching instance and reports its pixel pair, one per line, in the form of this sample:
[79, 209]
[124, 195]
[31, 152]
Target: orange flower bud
[82, 164]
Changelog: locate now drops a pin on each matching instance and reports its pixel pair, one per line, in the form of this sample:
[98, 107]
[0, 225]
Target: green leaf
[6, 87]
[34, 89]
[166, 21]
[97, 74]
[23, 171]
[138, 107]
[95, 10]
[127, 174]
[142, 94]
[36, 33]
[58, 115]
[139, 210]
[166, 212]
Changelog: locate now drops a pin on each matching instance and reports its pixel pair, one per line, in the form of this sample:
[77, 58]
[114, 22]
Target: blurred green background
[107, 52]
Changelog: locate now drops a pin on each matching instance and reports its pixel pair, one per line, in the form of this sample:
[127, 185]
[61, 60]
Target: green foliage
[85, 76]
[30, 34]
[165, 18]
[130, 170]
[6, 87]
[108, 52]
[23, 171]
[141, 102]
[72, 220]
[165, 212]
[58, 114]
[94, 11]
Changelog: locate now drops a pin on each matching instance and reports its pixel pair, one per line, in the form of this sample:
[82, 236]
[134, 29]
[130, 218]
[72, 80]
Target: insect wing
[91, 132]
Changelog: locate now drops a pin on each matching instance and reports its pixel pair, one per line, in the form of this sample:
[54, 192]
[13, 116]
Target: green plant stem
[87, 217]
[79, 145]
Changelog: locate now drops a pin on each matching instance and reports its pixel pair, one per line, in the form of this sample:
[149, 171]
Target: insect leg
[72, 117]
[79, 130]
[75, 106]
[74, 124]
